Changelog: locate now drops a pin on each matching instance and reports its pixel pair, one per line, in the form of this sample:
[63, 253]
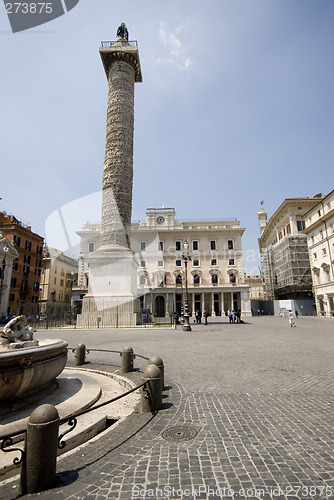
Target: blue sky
[236, 106]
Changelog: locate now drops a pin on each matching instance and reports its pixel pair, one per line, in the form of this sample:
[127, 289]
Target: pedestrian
[258, 312]
[296, 313]
[238, 315]
[291, 322]
[198, 316]
[230, 315]
[205, 316]
[233, 316]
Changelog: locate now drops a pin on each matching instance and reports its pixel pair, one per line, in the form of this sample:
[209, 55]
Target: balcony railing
[107, 44]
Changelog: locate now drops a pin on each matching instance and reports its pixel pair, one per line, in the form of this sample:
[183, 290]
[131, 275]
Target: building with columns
[284, 251]
[215, 274]
[319, 229]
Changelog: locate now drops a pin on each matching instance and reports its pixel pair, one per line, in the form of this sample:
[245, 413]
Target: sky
[235, 108]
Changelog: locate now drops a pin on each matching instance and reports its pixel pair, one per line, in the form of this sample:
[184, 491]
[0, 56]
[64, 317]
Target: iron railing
[7, 440]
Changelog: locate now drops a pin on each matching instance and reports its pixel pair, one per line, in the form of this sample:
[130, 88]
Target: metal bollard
[127, 359]
[38, 471]
[80, 354]
[151, 396]
[157, 361]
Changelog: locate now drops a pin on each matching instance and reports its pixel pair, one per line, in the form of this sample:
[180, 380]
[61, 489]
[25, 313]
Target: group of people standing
[234, 316]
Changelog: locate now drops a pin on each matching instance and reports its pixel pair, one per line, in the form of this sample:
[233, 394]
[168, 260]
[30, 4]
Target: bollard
[155, 360]
[38, 471]
[80, 354]
[151, 395]
[127, 359]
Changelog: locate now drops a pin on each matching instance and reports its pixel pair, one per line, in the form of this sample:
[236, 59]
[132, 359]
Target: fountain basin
[29, 370]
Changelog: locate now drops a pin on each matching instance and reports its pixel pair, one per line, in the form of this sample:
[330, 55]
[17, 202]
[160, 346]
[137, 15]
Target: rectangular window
[324, 252]
[160, 263]
[38, 262]
[61, 282]
[143, 246]
[315, 255]
[16, 240]
[11, 297]
[178, 263]
[15, 265]
[143, 263]
[319, 213]
[62, 272]
[321, 235]
[39, 250]
[60, 297]
[160, 246]
[213, 262]
[26, 270]
[91, 246]
[28, 245]
[27, 259]
[55, 281]
[178, 245]
[195, 262]
[230, 244]
[195, 245]
[56, 269]
[37, 272]
[13, 283]
[300, 225]
[212, 245]
[231, 262]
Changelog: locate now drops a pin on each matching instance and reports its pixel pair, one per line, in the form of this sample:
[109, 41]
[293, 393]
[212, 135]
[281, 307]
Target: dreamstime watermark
[31, 13]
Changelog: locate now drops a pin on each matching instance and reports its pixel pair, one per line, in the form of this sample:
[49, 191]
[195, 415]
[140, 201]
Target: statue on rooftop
[122, 32]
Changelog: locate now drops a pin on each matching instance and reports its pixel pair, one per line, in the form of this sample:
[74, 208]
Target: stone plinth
[111, 298]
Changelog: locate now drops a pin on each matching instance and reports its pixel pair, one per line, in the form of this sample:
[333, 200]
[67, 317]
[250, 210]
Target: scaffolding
[286, 266]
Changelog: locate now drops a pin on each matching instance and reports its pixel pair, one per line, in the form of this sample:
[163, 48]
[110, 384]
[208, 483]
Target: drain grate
[180, 433]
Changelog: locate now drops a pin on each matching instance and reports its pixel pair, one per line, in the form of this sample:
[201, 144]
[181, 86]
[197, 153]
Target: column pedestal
[112, 288]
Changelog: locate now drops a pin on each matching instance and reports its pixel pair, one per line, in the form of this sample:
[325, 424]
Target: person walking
[291, 322]
[205, 316]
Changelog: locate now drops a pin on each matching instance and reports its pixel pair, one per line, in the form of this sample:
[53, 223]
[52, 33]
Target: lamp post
[186, 258]
[71, 282]
[3, 267]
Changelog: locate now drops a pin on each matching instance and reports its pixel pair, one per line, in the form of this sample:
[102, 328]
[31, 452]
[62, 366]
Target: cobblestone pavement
[257, 396]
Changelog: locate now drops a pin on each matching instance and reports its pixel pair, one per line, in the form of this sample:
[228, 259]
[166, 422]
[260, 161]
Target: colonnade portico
[164, 303]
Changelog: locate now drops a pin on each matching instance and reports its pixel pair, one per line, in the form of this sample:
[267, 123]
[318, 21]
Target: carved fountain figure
[28, 367]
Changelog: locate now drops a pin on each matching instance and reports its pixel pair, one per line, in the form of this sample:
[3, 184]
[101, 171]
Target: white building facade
[319, 228]
[215, 274]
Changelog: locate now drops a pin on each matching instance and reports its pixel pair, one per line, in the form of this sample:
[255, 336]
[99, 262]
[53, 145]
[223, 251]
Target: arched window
[214, 279]
[178, 279]
[232, 278]
[142, 280]
[196, 279]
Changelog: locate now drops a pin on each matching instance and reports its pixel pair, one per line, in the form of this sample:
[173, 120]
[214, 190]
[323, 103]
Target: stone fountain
[28, 367]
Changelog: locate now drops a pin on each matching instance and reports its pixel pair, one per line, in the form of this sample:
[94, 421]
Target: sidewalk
[256, 401]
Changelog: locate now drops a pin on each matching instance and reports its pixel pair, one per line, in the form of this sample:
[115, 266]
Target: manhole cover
[180, 433]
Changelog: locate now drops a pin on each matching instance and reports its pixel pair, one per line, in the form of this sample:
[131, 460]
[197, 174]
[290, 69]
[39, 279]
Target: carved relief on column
[118, 162]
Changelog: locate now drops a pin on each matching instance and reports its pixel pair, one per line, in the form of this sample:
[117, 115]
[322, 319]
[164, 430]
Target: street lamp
[186, 257]
[71, 281]
[3, 267]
